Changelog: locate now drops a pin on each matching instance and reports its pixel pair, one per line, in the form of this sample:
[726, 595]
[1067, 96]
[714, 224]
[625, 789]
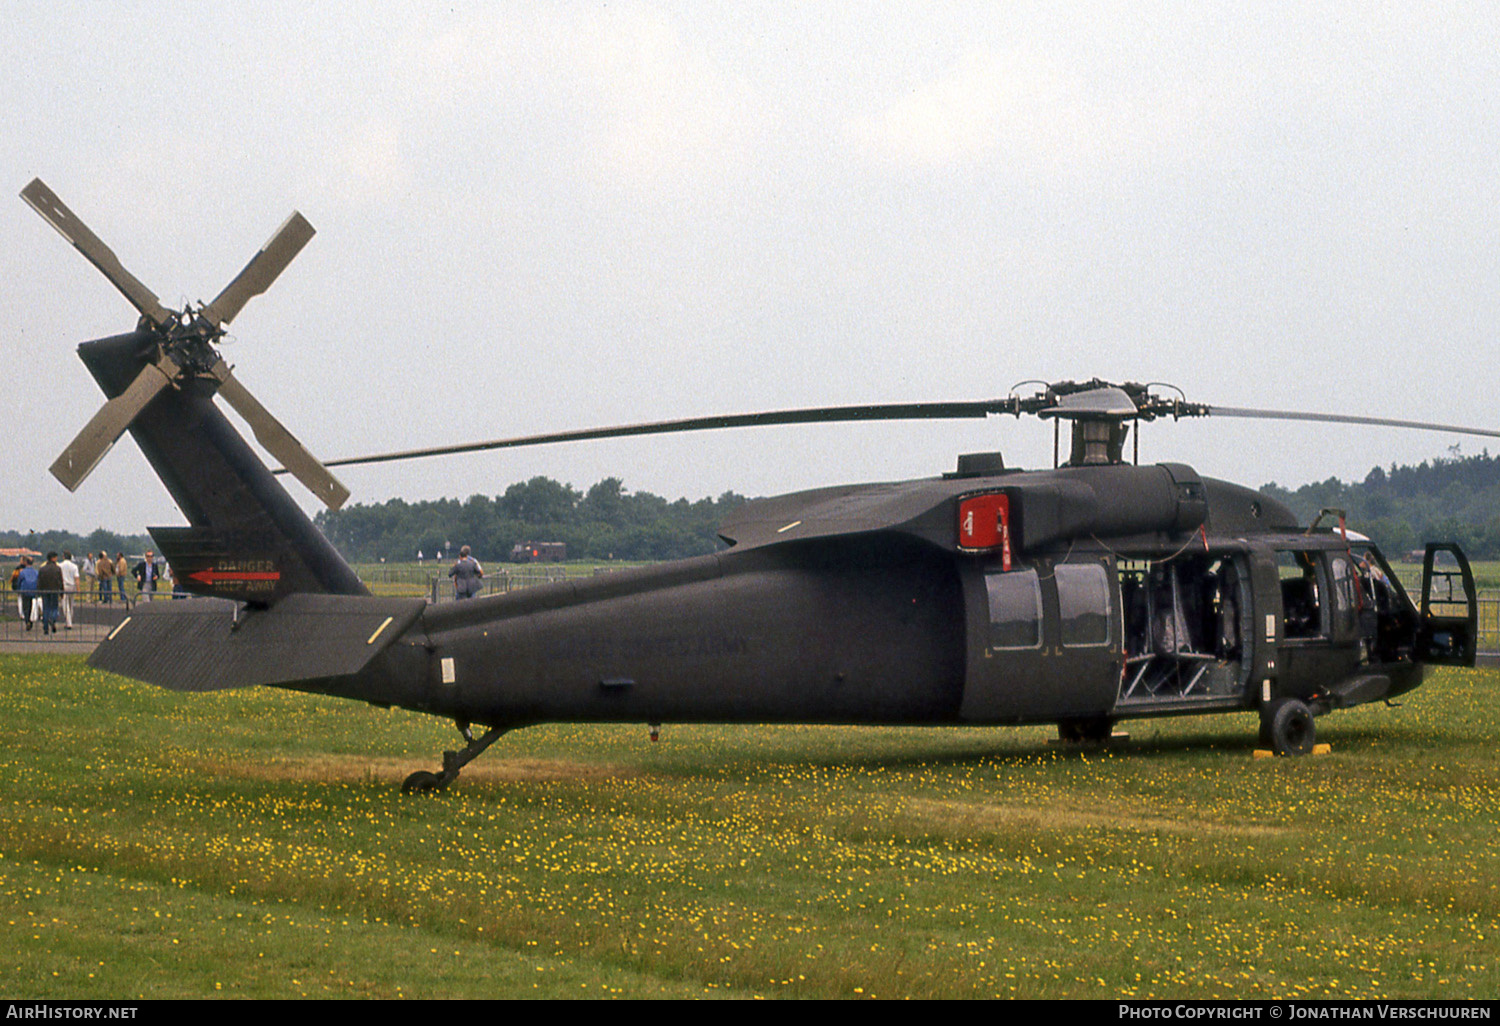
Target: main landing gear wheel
[1286, 725]
[423, 782]
[426, 782]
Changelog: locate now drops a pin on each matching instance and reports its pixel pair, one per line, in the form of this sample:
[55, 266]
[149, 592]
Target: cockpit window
[1348, 601]
[1302, 591]
[1343, 583]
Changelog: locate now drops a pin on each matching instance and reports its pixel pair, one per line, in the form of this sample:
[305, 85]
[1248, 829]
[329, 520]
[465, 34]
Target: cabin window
[1083, 603]
[1015, 609]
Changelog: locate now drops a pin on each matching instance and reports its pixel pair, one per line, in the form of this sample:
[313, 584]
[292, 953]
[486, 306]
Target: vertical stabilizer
[247, 539]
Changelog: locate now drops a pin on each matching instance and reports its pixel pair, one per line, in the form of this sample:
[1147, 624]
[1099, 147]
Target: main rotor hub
[1098, 411]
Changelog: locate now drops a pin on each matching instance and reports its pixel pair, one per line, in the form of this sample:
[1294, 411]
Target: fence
[82, 617]
[497, 582]
[1488, 642]
[92, 619]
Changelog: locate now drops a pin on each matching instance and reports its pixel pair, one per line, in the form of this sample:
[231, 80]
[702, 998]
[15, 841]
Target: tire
[422, 782]
[1287, 726]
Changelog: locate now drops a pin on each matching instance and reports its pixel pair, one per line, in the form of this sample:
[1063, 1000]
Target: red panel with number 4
[984, 523]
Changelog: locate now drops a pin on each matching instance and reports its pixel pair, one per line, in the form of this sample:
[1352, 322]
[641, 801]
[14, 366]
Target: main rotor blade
[261, 271]
[107, 425]
[278, 441]
[822, 414]
[1339, 418]
[46, 203]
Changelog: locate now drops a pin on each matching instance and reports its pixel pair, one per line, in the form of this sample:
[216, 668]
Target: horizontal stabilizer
[197, 645]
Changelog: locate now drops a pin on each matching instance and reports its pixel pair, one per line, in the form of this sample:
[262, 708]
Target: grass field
[255, 843]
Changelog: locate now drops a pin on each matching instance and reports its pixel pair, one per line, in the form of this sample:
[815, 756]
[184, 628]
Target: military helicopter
[1093, 592]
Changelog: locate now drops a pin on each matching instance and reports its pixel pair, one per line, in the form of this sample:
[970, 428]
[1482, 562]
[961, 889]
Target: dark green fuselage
[1081, 594]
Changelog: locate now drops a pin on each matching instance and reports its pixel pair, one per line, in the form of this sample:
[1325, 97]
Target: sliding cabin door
[1043, 641]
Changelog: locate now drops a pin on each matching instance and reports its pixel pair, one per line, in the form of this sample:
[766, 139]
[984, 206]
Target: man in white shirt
[70, 585]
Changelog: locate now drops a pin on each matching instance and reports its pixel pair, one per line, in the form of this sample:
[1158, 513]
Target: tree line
[1453, 499]
[98, 540]
[604, 522]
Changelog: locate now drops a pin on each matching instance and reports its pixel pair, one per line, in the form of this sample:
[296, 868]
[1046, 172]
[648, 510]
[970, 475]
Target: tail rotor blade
[261, 271]
[46, 203]
[279, 442]
[106, 426]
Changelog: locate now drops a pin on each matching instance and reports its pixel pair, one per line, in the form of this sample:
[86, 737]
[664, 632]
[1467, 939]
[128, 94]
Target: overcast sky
[534, 217]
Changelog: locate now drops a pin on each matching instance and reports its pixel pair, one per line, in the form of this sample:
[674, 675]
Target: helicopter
[1083, 595]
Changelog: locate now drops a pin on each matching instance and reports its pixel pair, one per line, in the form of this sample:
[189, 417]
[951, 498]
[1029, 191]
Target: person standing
[145, 575]
[26, 585]
[49, 582]
[104, 567]
[69, 588]
[15, 581]
[466, 574]
[121, 568]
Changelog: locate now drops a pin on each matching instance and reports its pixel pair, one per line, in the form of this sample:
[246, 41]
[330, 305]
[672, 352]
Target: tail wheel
[1287, 726]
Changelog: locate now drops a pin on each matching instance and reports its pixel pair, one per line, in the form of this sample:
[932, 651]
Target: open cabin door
[1448, 627]
[1189, 632]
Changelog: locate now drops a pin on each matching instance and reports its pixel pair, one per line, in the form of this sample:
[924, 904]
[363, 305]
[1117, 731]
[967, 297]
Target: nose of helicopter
[1404, 680]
